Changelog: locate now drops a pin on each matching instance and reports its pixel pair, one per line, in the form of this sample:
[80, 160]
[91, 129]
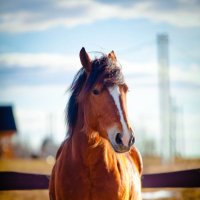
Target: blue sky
[39, 47]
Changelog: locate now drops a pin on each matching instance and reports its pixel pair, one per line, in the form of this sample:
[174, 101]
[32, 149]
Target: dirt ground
[151, 165]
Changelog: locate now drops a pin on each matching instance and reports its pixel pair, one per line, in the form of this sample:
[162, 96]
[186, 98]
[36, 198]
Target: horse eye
[95, 92]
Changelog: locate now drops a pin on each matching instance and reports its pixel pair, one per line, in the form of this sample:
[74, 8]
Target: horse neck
[82, 134]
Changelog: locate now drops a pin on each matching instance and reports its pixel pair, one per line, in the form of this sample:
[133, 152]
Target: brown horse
[98, 160]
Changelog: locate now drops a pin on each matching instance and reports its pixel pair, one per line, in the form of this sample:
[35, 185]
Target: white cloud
[149, 67]
[40, 15]
[137, 72]
[189, 75]
[44, 60]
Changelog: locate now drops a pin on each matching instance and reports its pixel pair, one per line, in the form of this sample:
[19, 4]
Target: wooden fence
[178, 179]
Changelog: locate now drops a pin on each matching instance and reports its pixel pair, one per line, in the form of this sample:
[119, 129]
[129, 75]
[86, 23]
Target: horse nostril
[131, 141]
[118, 138]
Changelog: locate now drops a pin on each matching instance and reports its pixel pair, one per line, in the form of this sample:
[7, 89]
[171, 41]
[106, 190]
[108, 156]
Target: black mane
[103, 71]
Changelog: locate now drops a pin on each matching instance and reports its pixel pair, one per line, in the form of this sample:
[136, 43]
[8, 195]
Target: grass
[27, 166]
[154, 165]
[24, 195]
[44, 167]
[172, 194]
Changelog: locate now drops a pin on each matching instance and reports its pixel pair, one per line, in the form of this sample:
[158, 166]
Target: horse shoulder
[69, 173]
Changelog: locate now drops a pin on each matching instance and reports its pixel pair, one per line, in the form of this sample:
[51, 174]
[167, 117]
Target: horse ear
[112, 56]
[85, 60]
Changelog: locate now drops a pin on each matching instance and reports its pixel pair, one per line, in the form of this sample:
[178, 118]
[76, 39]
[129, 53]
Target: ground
[152, 165]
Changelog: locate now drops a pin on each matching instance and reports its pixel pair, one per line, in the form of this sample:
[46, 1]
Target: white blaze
[115, 93]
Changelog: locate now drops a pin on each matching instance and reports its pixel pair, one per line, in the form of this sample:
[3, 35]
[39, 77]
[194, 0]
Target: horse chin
[120, 149]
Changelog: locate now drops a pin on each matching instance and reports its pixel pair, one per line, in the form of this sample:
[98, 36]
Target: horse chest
[114, 176]
[130, 178]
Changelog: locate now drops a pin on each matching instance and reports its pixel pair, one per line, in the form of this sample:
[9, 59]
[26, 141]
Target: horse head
[103, 99]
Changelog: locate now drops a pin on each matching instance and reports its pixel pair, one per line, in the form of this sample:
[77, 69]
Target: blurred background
[157, 44]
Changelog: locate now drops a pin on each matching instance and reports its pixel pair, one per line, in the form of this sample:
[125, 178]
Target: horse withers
[97, 161]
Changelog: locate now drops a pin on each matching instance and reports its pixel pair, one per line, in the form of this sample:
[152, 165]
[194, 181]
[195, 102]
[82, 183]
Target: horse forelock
[104, 71]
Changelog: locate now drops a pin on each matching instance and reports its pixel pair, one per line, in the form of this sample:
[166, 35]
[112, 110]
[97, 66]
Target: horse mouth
[120, 148]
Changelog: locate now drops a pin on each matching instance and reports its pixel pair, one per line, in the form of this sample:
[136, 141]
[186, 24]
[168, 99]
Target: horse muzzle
[122, 142]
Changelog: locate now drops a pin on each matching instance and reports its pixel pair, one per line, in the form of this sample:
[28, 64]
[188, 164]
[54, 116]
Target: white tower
[164, 96]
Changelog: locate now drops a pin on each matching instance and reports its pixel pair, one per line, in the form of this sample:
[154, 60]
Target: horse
[97, 161]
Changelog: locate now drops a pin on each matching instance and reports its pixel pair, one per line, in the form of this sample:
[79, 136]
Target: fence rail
[178, 179]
